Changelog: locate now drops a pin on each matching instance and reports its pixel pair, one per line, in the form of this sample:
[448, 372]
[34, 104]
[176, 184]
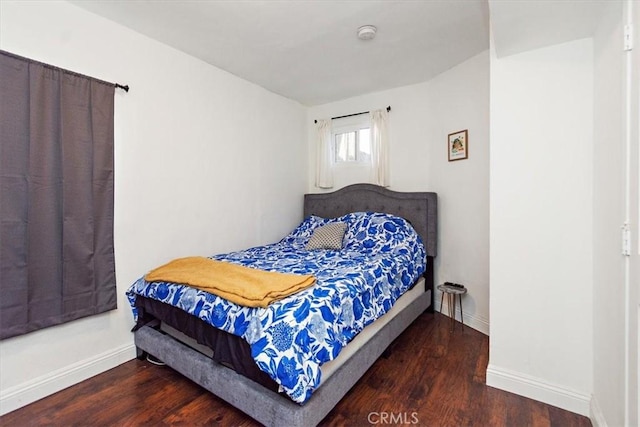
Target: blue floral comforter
[381, 258]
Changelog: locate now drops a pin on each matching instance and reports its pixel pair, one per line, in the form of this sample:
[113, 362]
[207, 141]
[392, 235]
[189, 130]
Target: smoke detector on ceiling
[367, 32]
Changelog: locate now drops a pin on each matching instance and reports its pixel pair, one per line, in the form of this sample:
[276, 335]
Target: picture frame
[458, 145]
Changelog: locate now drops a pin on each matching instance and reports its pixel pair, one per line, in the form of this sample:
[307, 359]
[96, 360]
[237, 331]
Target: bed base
[429, 278]
[266, 406]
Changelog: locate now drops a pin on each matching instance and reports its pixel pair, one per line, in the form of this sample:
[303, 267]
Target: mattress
[240, 360]
[367, 333]
[292, 338]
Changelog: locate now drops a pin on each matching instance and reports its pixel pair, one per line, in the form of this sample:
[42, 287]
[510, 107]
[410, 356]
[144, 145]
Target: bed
[184, 341]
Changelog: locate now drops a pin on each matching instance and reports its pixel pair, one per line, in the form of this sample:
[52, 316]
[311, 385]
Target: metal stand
[451, 292]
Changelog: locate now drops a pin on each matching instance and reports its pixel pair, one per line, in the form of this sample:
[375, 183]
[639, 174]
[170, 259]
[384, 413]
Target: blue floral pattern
[291, 338]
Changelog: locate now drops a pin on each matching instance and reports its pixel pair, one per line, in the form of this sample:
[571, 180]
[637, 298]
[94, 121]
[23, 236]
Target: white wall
[542, 224]
[205, 163]
[608, 215]
[421, 117]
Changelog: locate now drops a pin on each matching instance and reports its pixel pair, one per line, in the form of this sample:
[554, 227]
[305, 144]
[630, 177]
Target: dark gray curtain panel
[56, 196]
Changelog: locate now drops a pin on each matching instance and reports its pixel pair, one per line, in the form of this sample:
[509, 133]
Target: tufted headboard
[419, 208]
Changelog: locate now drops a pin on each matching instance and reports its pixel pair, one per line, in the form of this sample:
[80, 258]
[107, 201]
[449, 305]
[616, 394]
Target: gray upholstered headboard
[419, 208]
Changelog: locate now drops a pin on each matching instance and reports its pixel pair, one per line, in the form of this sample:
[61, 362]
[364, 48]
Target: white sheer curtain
[324, 164]
[380, 146]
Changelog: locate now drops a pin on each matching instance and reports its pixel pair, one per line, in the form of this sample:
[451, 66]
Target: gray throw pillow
[328, 236]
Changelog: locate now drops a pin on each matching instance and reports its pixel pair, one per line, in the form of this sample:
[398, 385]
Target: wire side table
[451, 292]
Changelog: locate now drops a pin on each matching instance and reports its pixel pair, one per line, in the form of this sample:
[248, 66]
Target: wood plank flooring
[431, 377]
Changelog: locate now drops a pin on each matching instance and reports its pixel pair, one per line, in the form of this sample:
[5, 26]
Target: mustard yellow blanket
[242, 285]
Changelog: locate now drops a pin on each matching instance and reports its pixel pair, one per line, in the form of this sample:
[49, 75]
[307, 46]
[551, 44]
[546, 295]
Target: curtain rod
[53, 67]
[125, 87]
[351, 115]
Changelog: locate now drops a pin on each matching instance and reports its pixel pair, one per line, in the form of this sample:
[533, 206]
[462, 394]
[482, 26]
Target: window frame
[347, 125]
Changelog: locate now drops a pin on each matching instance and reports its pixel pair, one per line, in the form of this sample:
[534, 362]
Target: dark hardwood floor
[431, 377]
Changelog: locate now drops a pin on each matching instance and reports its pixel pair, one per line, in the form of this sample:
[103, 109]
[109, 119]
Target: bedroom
[179, 106]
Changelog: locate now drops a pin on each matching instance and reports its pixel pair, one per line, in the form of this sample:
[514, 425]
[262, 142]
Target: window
[353, 145]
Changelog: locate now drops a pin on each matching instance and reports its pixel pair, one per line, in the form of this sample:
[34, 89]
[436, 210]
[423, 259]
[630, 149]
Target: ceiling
[307, 50]
[521, 25]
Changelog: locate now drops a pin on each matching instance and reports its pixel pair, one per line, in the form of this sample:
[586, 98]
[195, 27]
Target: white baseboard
[30, 391]
[596, 415]
[473, 321]
[538, 389]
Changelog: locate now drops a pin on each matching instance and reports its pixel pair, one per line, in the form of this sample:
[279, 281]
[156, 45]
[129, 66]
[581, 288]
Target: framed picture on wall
[458, 145]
